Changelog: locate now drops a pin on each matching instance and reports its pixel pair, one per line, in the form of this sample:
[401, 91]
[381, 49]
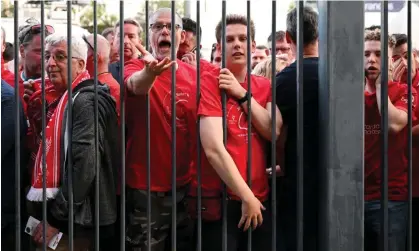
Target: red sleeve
[131, 67]
[264, 84]
[400, 100]
[206, 66]
[210, 101]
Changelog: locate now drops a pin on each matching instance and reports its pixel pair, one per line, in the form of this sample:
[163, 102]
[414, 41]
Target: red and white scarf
[53, 134]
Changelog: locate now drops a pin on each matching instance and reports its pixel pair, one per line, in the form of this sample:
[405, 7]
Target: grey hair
[78, 45]
[153, 16]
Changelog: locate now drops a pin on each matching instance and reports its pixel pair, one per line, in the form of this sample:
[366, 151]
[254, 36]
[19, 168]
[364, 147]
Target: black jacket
[84, 161]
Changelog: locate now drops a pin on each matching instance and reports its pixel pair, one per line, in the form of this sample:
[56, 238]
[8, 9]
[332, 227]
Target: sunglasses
[36, 29]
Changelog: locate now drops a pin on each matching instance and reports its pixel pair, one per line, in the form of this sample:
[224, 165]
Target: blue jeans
[397, 225]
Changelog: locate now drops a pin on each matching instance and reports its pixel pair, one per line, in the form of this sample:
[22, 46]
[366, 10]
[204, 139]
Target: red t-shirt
[114, 86]
[415, 150]
[206, 66]
[397, 144]
[210, 106]
[160, 129]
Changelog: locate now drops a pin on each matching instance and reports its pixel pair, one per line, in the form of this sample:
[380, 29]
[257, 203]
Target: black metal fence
[341, 221]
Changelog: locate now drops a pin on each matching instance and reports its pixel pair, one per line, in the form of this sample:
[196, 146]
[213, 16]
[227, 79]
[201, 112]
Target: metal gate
[341, 123]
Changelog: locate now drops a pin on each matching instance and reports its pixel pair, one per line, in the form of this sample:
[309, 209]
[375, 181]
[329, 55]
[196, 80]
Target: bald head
[103, 51]
[103, 46]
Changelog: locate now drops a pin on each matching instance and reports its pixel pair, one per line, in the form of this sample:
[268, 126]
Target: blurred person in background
[261, 53]
[30, 51]
[188, 46]
[132, 39]
[103, 75]
[215, 55]
[281, 46]
[264, 68]
[8, 54]
[6, 74]
[109, 33]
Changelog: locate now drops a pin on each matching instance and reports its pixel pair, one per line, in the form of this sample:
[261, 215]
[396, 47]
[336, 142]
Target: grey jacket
[84, 161]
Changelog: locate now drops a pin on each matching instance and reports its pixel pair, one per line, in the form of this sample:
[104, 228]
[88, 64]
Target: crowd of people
[149, 74]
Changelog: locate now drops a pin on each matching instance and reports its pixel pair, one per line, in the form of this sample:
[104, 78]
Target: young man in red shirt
[397, 144]
[152, 75]
[247, 207]
[400, 60]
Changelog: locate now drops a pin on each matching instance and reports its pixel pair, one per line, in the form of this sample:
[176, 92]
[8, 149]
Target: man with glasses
[82, 153]
[152, 75]
[282, 46]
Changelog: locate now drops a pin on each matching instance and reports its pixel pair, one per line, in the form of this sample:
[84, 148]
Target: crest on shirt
[182, 98]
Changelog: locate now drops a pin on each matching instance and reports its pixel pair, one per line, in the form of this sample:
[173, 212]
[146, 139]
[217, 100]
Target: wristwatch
[245, 98]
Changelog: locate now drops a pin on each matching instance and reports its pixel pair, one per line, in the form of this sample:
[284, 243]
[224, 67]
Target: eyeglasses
[87, 42]
[156, 27]
[36, 29]
[59, 57]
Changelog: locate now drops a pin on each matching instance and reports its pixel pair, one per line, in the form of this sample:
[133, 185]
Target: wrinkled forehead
[60, 47]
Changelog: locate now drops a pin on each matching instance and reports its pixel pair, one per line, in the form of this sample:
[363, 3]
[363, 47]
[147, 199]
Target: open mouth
[165, 45]
[237, 54]
[372, 68]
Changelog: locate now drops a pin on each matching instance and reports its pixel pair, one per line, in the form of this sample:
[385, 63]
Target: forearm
[262, 119]
[225, 167]
[396, 117]
[141, 82]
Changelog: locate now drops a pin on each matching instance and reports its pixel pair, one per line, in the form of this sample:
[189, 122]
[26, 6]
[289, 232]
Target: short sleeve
[210, 101]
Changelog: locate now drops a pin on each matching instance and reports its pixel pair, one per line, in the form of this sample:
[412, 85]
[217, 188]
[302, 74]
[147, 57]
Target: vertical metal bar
[273, 135]
[122, 109]
[44, 107]
[409, 123]
[384, 126]
[198, 123]
[97, 237]
[249, 114]
[148, 140]
[224, 106]
[341, 109]
[300, 126]
[70, 130]
[173, 58]
[17, 127]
